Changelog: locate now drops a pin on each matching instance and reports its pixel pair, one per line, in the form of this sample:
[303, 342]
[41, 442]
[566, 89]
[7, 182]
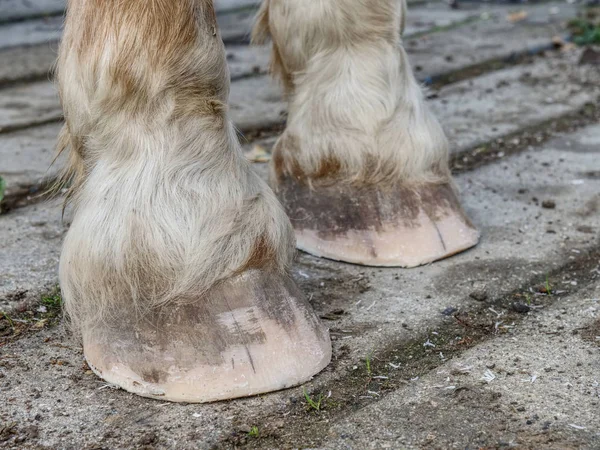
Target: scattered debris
[518, 16]
[521, 307]
[488, 376]
[109, 386]
[258, 154]
[479, 296]
[548, 204]
[449, 311]
[530, 379]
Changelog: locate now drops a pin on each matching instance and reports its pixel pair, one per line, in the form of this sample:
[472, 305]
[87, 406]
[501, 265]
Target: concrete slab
[37, 31]
[502, 102]
[28, 48]
[493, 105]
[26, 156]
[378, 312]
[28, 105]
[232, 24]
[228, 5]
[467, 352]
[535, 385]
[31, 240]
[498, 38]
[27, 63]
[12, 10]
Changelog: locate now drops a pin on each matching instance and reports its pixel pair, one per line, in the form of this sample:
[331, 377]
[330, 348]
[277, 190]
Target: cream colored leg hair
[357, 118]
[354, 102]
[174, 236]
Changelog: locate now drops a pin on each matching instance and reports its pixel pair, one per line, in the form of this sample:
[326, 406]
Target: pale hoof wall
[250, 335]
[395, 227]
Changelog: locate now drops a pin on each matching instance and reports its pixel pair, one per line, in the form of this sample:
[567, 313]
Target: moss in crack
[586, 28]
[524, 139]
[45, 312]
[52, 303]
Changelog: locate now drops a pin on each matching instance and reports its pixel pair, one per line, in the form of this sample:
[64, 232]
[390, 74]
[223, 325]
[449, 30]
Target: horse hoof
[249, 335]
[400, 226]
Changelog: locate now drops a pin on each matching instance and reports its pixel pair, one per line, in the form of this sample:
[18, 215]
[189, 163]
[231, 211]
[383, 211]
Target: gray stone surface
[536, 385]
[472, 111]
[28, 105]
[551, 86]
[31, 240]
[516, 249]
[27, 63]
[11, 10]
[232, 24]
[227, 5]
[502, 102]
[26, 156]
[497, 38]
[37, 31]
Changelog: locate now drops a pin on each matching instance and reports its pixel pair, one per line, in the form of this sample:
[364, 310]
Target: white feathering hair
[356, 111]
[165, 204]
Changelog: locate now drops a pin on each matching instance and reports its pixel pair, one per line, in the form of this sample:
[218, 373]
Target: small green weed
[254, 432]
[368, 364]
[313, 404]
[53, 303]
[8, 319]
[548, 286]
[585, 31]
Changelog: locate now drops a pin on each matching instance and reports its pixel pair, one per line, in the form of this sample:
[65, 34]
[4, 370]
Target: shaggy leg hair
[168, 215]
[358, 131]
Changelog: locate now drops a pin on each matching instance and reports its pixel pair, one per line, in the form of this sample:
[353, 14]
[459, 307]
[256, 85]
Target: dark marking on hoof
[252, 334]
[401, 225]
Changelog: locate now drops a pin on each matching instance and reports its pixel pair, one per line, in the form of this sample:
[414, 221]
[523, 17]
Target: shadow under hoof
[399, 226]
[249, 335]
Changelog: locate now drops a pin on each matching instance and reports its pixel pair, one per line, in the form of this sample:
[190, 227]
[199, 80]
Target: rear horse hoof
[397, 226]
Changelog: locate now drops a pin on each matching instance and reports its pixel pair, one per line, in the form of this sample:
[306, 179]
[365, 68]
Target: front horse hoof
[399, 226]
[252, 334]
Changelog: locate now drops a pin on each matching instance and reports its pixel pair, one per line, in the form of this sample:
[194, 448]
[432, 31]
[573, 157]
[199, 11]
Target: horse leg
[175, 270]
[362, 166]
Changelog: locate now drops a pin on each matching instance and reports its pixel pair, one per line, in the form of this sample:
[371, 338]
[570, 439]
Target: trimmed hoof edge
[249, 335]
[401, 226]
